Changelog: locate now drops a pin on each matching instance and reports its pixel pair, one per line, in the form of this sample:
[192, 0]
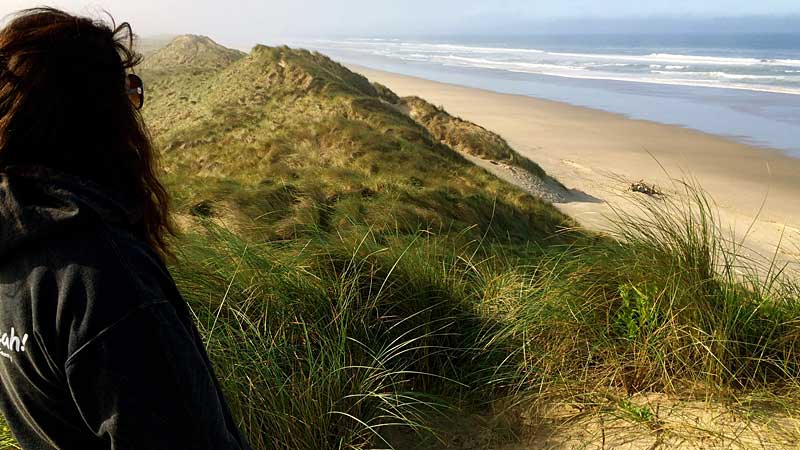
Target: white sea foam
[493, 64]
[772, 75]
[685, 59]
[654, 57]
[699, 79]
[611, 65]
[729, 76]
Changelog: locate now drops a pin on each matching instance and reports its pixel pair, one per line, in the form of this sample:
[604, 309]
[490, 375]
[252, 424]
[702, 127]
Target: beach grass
[360, 284]
[329, 342]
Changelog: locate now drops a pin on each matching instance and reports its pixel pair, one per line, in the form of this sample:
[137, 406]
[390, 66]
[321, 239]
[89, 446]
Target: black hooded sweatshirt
[97, 348]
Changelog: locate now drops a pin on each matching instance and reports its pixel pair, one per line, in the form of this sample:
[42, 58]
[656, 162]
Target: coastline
[756, 190]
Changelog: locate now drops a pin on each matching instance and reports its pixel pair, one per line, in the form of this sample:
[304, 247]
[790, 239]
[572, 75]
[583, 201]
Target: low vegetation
[340, 338]
[465, 136]
[360, 284]
[285, 142]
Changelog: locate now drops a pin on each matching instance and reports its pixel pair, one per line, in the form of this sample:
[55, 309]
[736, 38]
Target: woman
[97, 347]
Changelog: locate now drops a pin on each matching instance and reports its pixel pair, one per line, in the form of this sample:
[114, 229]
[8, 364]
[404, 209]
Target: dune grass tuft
[333, 340]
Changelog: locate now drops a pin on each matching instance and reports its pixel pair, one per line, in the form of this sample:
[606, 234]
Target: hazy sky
[244, 22]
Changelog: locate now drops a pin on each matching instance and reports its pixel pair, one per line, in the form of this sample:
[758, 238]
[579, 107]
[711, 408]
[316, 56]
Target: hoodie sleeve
[142, 383]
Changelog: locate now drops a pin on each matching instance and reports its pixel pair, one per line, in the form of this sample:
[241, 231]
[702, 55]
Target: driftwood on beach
[648, 189]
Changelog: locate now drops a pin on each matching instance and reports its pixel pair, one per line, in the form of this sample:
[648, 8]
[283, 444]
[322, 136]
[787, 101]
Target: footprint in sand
[576, 166]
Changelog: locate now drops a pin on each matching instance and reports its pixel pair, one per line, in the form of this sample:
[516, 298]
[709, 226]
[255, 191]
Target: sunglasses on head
[134, 87]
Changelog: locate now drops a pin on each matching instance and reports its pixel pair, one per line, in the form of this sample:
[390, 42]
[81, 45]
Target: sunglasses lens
[136, 91]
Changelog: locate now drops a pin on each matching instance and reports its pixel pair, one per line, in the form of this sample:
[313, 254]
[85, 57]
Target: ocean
[744, 86]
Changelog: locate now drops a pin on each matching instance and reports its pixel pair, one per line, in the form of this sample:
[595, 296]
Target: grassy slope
[321, 185]
[369, 275]
[365, 306]
[187, 51]
[356, 273]
[294, 135]
[466, 136]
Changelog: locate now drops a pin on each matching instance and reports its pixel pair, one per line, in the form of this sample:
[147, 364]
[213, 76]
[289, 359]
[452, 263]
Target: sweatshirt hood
[37, 202]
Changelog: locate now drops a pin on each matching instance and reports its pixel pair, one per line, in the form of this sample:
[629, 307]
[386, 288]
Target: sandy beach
[601, 154]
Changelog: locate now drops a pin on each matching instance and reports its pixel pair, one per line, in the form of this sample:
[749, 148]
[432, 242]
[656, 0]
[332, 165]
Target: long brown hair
[63, 106]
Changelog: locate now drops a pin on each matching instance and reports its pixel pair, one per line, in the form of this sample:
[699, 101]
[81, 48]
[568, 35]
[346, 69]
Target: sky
[242, 23]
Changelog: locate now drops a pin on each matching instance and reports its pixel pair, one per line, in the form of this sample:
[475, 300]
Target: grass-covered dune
[353, 273]
[286, 141]
[361, 284]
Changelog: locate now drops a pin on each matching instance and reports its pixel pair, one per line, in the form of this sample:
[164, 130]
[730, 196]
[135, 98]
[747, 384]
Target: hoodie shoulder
[76, 284]
[66, 257]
